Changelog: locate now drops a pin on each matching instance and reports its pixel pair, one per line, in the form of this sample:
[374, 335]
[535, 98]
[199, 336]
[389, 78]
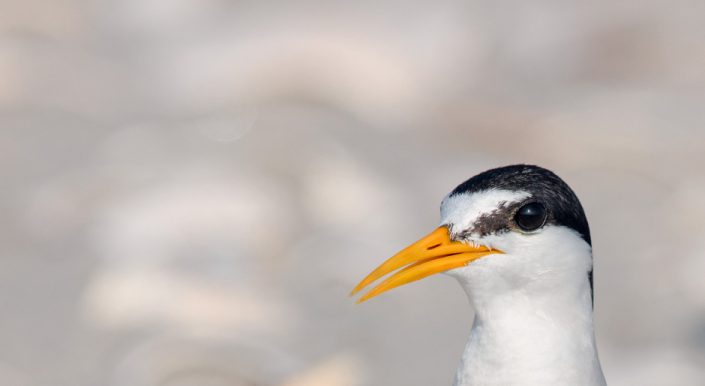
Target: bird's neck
[521, 338]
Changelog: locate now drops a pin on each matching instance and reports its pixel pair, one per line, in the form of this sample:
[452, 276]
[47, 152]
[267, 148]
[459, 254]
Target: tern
[518, 241]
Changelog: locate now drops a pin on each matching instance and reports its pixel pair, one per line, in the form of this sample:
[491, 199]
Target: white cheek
[556, 252]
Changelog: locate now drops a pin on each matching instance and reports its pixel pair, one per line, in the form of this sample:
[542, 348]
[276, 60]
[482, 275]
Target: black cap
[544, 186]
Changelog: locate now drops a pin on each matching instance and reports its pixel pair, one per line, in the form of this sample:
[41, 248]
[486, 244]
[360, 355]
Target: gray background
[190, 188]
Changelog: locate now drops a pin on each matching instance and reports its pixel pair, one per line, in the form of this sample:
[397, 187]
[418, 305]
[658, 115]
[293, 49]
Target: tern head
[512, 230]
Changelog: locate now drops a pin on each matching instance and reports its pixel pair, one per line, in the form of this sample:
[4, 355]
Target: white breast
[533, 304]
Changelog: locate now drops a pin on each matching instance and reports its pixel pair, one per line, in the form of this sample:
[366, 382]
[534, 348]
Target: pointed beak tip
[359, 287]
[434, 253]
[365, 298]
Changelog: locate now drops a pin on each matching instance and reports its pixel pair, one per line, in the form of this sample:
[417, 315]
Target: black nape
[544, 186]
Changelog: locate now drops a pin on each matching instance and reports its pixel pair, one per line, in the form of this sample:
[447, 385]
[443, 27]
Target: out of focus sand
[190, 188]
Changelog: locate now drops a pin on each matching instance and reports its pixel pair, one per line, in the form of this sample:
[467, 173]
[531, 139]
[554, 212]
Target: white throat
[533, 313]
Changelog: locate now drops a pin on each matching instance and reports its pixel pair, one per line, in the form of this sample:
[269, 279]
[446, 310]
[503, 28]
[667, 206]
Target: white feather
[533, 308]
[462, 210]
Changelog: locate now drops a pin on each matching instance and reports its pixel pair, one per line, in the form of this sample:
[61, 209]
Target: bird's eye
[531, 217]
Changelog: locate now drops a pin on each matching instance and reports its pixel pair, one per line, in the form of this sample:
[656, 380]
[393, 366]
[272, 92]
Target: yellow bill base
[434, 253]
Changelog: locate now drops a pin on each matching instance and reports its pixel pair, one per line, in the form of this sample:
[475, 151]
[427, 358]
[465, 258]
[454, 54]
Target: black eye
[531, 217]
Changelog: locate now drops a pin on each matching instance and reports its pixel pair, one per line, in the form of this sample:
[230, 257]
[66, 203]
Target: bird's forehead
[461, 211]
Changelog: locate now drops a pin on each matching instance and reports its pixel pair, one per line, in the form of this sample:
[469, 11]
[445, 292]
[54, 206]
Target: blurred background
[190, 188]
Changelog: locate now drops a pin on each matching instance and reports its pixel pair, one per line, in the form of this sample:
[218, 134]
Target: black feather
[544, 186]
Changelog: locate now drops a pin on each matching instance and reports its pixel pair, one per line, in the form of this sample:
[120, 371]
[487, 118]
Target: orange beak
[432, 254]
